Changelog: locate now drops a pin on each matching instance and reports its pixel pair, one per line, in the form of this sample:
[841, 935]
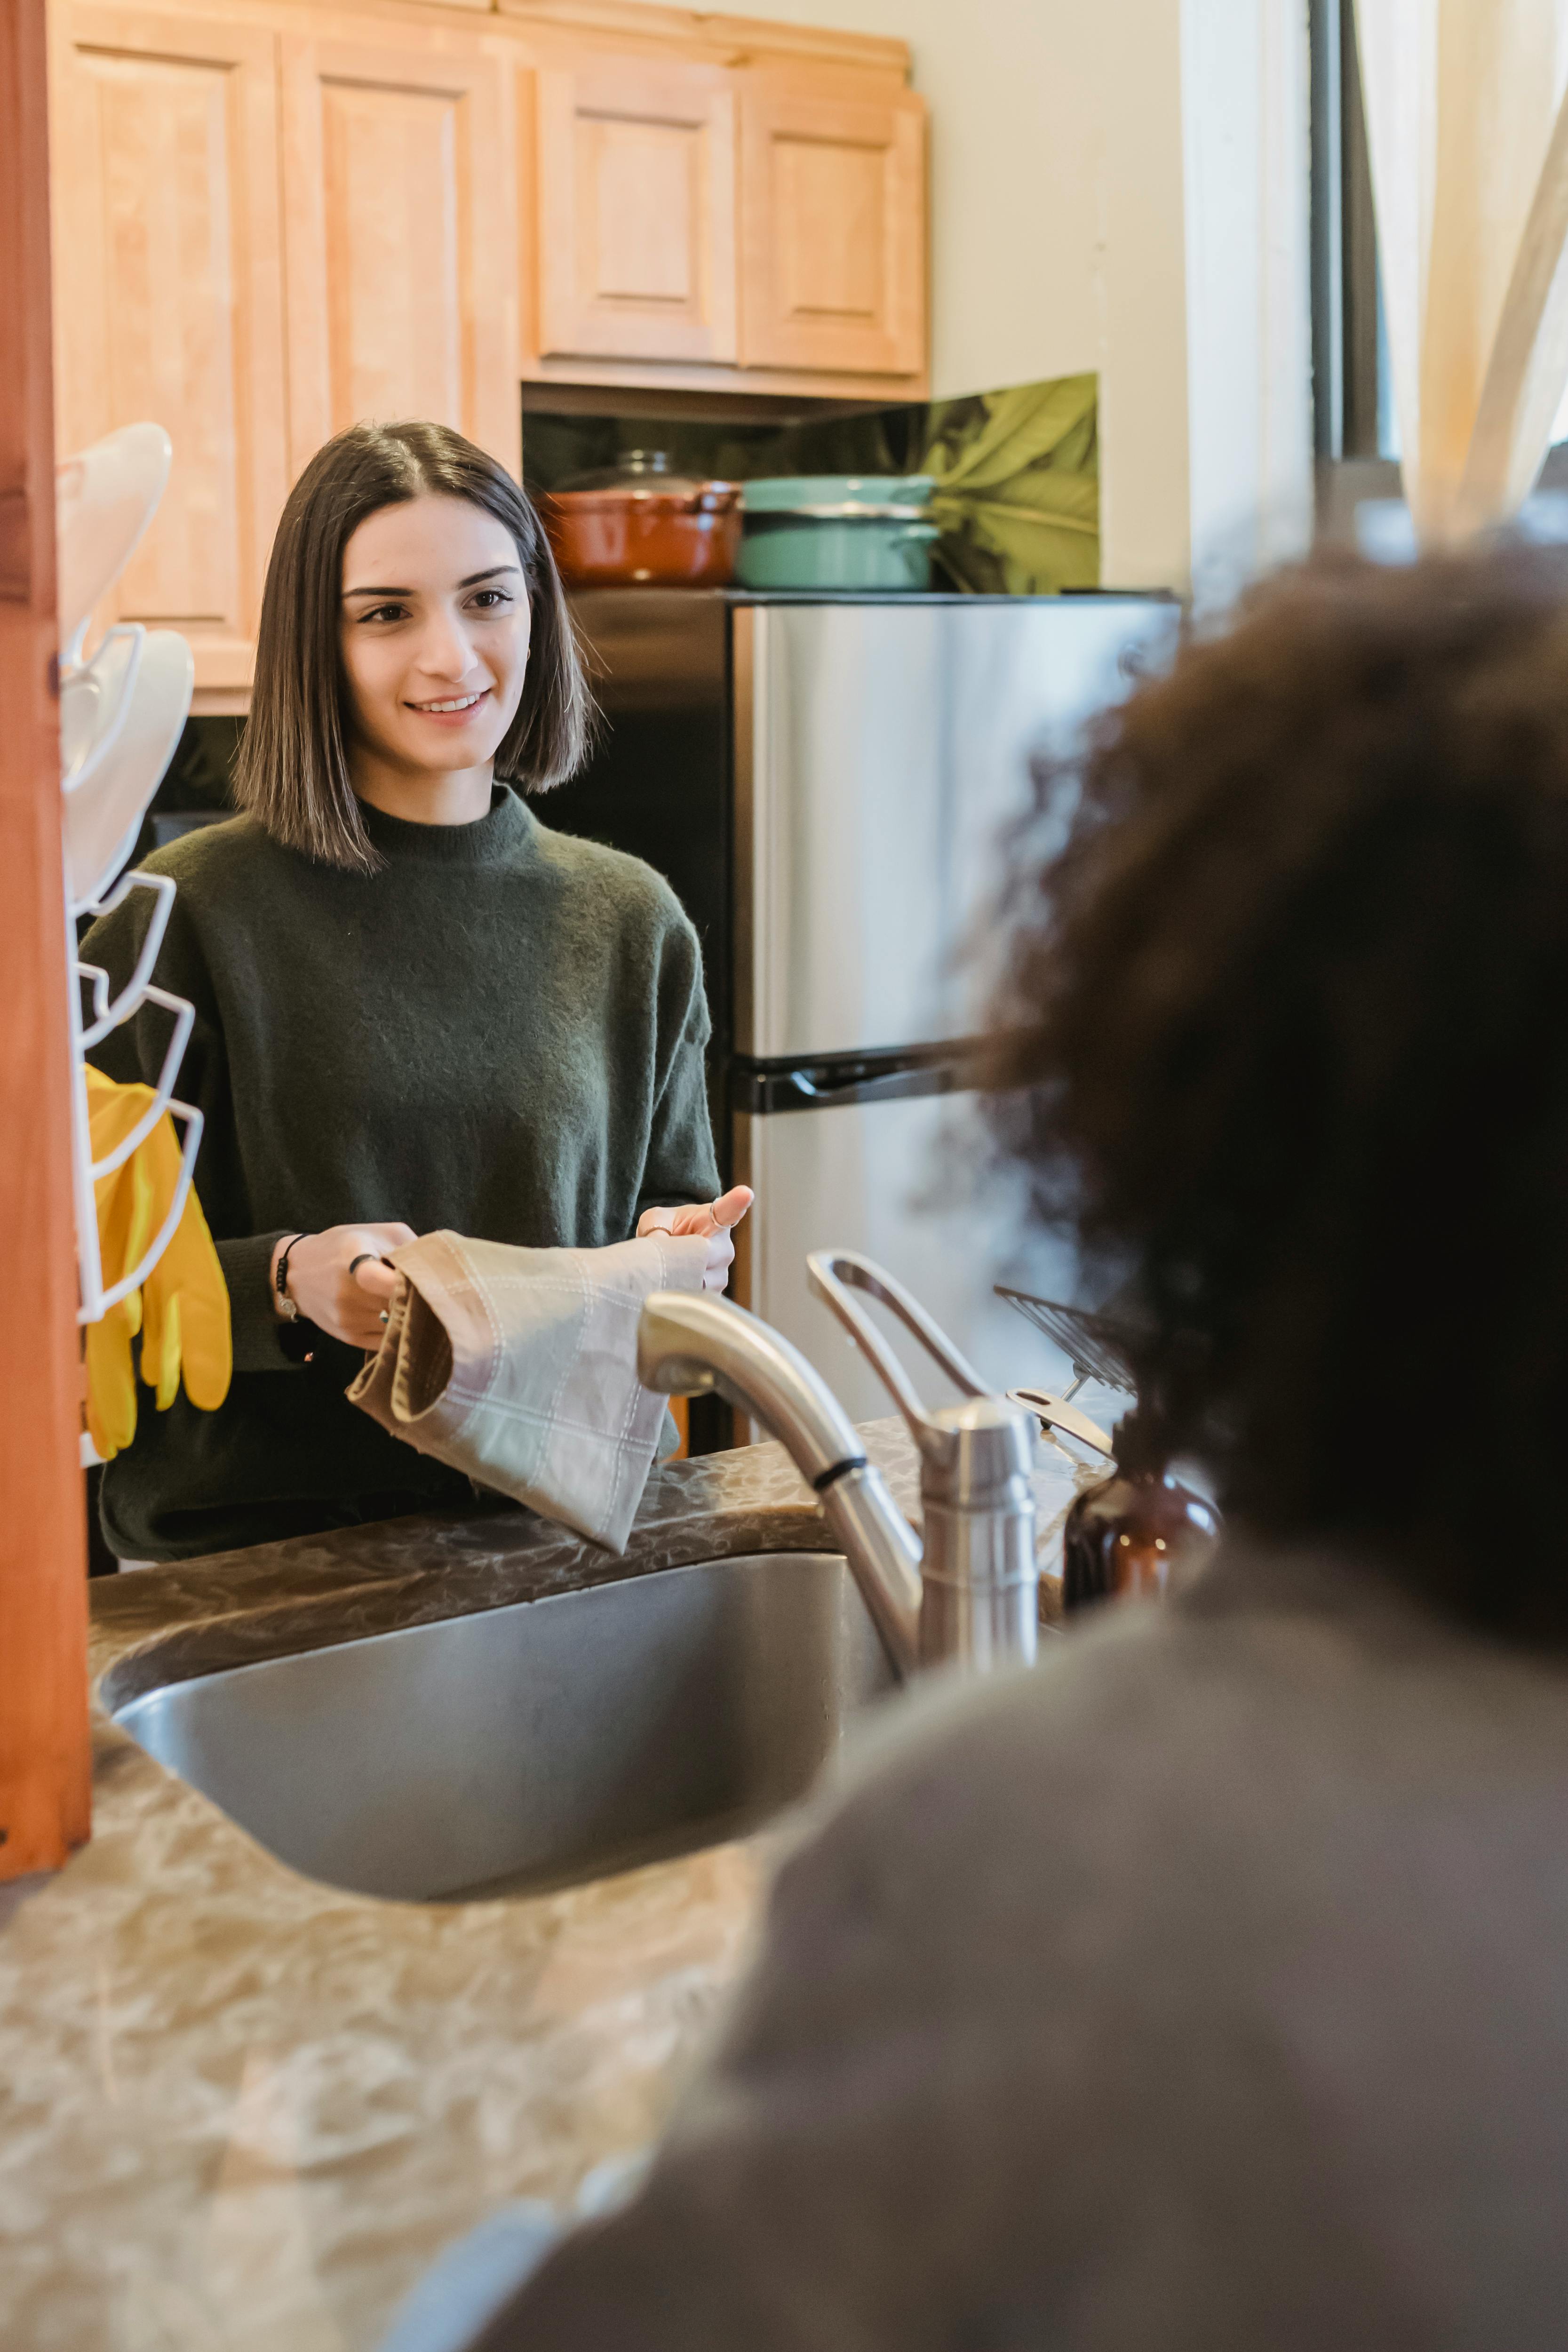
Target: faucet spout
[687, 1345]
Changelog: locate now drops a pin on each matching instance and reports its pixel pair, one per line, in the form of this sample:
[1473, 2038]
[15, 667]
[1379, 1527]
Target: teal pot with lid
[837, 531]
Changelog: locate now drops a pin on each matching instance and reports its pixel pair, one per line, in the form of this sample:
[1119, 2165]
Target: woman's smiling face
[435, 634]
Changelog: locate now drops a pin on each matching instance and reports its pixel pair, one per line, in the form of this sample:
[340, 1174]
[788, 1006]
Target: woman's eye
[488, 599]
[386, 613]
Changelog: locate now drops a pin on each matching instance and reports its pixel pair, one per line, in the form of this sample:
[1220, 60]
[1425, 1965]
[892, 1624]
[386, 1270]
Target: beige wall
[1247, 116]
[1057, 225]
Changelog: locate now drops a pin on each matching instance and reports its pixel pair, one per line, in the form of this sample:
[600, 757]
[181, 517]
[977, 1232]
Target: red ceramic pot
[642, 525]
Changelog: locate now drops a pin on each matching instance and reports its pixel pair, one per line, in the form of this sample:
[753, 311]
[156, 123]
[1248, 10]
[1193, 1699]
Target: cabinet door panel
[400, 243]
[833, 232]
[168, 301]
[636, 212]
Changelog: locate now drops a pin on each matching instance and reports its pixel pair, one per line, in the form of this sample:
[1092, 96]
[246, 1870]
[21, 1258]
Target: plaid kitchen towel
[519, 1367]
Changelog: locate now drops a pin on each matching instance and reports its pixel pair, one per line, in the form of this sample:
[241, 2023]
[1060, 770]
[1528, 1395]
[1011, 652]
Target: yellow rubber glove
[124, 1202]
[124, 1198]
[186, 1325]
[110, 1382]
[182, 1309]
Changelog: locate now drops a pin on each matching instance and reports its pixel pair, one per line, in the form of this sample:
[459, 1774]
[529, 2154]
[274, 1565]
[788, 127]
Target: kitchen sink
[537, 1745]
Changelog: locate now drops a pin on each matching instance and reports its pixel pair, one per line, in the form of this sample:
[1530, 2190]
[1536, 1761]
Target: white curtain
[1469, 125]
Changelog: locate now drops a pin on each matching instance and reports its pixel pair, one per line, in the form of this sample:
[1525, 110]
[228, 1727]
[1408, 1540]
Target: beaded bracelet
[286, 1305]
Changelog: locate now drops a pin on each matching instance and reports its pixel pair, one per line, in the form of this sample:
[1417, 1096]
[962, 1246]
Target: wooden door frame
[44, 1748]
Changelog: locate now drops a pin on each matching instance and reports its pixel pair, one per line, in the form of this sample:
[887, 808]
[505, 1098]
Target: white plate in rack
[105, 804]
[105, 497]
[95, 701]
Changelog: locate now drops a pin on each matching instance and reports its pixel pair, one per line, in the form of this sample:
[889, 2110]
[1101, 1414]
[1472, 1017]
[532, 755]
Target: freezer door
[871, 1177]
[880, 750]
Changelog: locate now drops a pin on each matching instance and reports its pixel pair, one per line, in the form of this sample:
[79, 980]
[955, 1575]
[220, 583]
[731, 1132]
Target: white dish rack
[131, 466]
[96, 1300]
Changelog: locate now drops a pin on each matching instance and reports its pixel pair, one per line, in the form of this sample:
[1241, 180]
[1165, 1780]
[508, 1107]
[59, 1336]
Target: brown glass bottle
[1137, 1535]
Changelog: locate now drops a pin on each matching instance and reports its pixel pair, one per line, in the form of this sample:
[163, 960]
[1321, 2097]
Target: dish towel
[519, 1367]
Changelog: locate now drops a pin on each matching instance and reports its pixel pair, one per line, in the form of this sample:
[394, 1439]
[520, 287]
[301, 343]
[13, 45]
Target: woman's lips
[455, 711]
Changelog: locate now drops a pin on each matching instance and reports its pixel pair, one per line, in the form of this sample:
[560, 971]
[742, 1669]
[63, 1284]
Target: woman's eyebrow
[473, 581]
[494, 573]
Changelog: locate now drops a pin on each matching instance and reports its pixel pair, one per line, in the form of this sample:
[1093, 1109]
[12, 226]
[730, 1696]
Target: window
[1355, 424]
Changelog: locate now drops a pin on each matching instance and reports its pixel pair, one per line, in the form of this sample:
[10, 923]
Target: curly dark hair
[1284, 1037]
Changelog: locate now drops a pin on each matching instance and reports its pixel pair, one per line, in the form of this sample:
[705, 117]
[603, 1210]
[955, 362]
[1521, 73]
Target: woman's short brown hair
[292, 771]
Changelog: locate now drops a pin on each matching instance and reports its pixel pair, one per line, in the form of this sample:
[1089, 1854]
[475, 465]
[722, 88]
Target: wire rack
[105, 1014]
[1096, 1346]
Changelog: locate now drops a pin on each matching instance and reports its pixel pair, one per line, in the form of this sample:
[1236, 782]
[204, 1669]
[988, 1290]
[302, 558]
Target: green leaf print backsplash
[1018, 487]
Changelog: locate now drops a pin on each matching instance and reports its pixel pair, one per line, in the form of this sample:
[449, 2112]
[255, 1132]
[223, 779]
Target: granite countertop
[241, 2111]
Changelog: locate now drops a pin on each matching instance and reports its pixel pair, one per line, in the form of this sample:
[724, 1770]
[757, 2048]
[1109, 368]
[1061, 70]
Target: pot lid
[643, 474]
[791, 493]
[906, 518]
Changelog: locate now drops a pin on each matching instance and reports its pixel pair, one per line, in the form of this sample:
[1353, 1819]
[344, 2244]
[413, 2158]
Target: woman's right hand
[348, 1305]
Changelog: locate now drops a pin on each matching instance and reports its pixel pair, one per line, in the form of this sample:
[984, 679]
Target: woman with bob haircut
[416, 1006]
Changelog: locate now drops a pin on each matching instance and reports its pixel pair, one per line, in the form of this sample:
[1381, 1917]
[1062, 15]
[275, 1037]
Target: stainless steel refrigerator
[827, 782]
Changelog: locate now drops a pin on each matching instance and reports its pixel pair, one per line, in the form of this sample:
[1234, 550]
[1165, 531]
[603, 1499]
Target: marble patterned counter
[241, 2111]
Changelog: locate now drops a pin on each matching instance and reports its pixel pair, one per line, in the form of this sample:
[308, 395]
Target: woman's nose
[446, 648]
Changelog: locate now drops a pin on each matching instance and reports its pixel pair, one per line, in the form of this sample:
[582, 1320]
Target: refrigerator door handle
[888, 1084]
[868, 1079]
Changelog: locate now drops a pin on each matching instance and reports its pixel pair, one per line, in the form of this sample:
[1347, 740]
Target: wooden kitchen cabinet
[168, 300]
[833, 249]
[636, 209]
[401, 253]
[274, 218]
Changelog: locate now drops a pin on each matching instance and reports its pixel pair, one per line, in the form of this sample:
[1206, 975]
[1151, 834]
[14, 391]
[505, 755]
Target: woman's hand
[346, 1299]
[714, 1218]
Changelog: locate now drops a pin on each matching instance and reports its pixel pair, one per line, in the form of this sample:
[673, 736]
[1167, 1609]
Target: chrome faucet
[969, 1591]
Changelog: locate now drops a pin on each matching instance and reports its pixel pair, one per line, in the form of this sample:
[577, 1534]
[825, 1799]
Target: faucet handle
[833, 1272]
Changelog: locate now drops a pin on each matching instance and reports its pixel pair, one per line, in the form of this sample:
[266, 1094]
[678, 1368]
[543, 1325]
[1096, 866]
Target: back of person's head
[1286, 1029]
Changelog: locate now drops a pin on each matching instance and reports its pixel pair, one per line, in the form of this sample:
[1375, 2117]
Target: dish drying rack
[106, 1015]
[93, 1012]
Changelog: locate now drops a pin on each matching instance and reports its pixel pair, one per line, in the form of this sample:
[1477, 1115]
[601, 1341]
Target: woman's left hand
[714, 1218]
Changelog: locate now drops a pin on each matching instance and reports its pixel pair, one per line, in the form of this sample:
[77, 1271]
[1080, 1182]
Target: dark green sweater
[501, 1031]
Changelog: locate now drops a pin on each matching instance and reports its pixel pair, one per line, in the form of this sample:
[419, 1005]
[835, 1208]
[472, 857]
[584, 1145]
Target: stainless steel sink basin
[537, 1745]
